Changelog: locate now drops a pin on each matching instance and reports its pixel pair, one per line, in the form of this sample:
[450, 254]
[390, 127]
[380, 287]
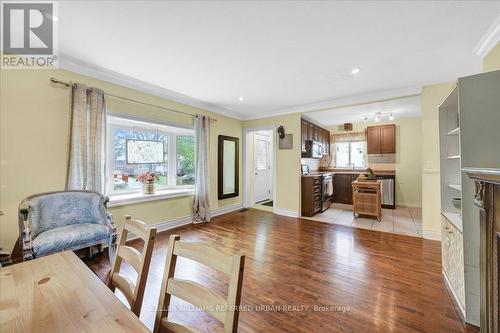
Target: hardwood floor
[358, 280]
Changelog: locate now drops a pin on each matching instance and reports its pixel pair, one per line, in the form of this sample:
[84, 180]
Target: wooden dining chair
[223, 309]
[133, 292]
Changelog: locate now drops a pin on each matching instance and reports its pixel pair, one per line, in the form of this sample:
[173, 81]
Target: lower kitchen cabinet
[342, 188]
[453, 260]
[311, 195]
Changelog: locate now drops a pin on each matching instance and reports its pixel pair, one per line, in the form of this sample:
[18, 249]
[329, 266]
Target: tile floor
[402, 220]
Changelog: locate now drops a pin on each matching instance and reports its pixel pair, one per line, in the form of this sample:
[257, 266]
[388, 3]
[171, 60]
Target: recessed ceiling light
[355, 71]
[241, 99]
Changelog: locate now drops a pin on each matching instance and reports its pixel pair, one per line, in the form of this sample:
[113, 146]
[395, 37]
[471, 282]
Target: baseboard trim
[226, 209]
[454, 297]
[285, 212]
[430, 234]
[179, 222]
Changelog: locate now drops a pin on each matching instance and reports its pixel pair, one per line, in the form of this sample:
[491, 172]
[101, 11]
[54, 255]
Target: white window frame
[350, 152]
[172, 131]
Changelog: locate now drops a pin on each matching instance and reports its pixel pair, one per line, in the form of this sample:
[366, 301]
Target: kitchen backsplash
[382, 162]
[312, 162]
[386, 162]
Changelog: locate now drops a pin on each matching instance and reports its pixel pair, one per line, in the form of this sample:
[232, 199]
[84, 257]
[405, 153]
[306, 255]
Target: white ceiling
[400, 108]
[280, 56]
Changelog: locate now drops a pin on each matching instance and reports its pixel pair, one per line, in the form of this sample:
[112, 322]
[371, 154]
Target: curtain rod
[68, 84]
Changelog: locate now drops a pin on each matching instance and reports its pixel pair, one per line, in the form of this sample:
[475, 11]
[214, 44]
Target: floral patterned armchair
[65, 220]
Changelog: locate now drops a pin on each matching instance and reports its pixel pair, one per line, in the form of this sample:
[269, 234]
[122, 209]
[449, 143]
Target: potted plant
[147, 179]
[371, 174]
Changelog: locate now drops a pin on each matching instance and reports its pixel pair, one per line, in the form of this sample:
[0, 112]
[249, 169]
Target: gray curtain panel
[87, 144]
[201, 204]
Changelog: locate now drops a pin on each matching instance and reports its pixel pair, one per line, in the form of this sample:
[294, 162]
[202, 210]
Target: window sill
[132, 198]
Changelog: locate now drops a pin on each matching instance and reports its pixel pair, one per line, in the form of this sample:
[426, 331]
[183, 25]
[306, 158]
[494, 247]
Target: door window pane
[261, 155]
[185, 160]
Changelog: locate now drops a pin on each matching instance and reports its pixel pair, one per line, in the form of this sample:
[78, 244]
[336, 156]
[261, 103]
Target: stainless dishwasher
[387, 184]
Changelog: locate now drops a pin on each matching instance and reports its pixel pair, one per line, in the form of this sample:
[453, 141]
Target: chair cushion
[70, 237]
[58, 209]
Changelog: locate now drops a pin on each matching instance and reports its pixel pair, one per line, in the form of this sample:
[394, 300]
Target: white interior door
[262, 167]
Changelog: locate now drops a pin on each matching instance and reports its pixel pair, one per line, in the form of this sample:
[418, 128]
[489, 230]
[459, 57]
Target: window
[350, 153]
[135, 147]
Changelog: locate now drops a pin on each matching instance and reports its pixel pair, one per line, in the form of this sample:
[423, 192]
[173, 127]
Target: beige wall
[432, 96]
[492, 60]
[406, 162]
[34, 124]
[287, 162]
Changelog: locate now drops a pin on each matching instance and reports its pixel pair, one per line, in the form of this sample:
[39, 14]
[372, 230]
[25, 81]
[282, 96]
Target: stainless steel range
[327, 191]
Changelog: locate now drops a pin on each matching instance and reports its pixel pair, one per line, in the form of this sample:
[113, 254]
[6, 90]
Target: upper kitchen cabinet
[381, 139]
[315, 141]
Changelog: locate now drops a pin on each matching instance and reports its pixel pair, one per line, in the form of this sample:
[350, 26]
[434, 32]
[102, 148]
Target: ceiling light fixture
[355, 71]
[241, 99]
[377, 116]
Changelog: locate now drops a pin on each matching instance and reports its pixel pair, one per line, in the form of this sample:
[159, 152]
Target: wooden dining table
[59, 293]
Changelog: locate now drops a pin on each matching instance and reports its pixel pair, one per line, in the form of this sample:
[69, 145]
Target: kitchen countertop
[350, 172]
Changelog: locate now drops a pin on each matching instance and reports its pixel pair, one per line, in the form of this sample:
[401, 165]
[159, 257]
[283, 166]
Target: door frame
[247, 200]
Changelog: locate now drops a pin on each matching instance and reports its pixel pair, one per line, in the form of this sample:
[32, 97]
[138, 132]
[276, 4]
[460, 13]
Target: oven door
[327, 192]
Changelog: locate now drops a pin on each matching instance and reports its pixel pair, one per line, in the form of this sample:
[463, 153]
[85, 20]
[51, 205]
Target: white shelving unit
[451, 197]
[455, 131]
[449, 141]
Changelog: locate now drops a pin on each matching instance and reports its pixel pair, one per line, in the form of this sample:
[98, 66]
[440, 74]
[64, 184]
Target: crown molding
[345, 102]
[73, 64]
[489, 39]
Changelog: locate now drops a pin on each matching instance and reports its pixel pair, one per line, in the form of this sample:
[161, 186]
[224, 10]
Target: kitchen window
[349, 150]
[134, 147]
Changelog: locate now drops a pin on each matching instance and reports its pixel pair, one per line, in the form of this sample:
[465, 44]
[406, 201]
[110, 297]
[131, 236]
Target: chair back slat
[132, 256]
[198, 295]
[138, 228]
[125, 285]
[223, 309]
[133, 291]
[176, 327]
[205, 254]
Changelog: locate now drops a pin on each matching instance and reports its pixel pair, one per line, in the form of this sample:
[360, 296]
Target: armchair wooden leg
[112, 249]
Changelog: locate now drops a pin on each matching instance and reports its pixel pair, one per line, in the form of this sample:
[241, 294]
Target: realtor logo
[29, 34]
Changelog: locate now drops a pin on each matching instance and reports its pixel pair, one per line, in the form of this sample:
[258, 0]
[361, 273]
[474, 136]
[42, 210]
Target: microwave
[317, 149]
[313, 149]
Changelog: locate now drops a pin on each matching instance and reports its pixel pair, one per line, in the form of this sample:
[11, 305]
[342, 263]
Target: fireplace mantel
[487, 192]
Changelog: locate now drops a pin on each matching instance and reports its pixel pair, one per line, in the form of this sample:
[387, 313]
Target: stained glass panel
[144, 152]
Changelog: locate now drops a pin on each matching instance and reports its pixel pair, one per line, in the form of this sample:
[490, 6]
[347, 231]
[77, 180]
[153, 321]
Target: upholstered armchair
[65, 220]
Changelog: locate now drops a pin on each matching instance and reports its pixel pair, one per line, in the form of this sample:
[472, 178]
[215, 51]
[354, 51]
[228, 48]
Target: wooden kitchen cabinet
[381, 139]
[311, 132]
[315, 133]
[373, 139]
[311, 195]
[342, 188]
[305, 132]
[388, 139]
